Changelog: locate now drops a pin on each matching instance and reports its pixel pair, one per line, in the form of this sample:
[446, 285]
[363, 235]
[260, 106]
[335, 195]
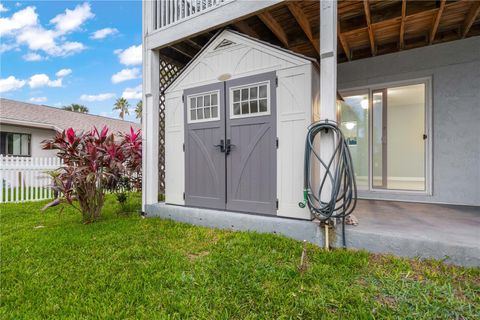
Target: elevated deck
[444, 232]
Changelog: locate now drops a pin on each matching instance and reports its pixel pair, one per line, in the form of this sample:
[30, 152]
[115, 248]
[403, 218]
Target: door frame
[427, 81]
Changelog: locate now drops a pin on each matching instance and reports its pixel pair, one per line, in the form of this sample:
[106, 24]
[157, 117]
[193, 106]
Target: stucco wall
[454, 68]
[38, 135]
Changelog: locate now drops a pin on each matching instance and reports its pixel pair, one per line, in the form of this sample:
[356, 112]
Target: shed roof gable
[234, 54]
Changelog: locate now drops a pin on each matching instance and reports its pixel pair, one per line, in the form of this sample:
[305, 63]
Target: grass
[126, 267]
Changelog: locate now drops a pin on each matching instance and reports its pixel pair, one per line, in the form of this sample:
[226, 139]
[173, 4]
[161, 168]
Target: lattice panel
[167, 74]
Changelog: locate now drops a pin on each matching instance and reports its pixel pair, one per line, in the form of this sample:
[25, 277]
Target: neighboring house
[409, 75]
[23, 126]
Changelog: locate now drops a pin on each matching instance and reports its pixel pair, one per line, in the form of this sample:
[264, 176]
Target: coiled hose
[334, 176]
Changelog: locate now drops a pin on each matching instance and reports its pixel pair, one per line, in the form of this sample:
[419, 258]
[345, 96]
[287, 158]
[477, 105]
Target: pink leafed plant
[93, 162]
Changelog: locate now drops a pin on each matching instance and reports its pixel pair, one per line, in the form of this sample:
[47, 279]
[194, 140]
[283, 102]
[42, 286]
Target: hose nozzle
[303, 203]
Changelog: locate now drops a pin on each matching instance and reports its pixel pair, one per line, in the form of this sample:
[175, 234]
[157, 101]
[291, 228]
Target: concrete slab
[450, 233]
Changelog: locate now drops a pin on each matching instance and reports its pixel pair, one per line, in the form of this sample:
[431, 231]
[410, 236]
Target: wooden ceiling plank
[366, 6]
[275, 27]
[193, 44]
[185, 49]
[438, 17]
[472, 15]
[243, 27]
[402, 24]
[343, 42]
[303, 22]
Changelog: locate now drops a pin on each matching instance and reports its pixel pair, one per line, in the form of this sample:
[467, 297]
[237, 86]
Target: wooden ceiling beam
[343, 42]
[185, 49]
[436, 23]
[472, 15]
[243, 27]
[193, 44]
[275, 27]
[402, 24]
[303, 22]
[366, 6]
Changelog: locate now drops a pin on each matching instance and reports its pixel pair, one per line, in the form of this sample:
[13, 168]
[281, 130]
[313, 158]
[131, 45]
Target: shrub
[93, 162]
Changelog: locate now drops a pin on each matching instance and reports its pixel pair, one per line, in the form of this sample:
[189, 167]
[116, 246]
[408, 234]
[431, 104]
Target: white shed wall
[294, 106]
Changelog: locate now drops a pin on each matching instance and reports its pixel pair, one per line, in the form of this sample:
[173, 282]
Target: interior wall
[454, 68]
[406, 123]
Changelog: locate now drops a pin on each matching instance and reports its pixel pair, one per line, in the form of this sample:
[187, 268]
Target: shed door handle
[228, 147]
[221, 145]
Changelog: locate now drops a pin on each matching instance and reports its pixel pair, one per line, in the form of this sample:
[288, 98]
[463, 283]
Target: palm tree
[121, 105]
[138, 110]
[75, 107]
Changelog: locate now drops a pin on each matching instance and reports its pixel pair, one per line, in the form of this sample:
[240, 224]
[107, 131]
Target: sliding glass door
[353, 114]
[393, 156]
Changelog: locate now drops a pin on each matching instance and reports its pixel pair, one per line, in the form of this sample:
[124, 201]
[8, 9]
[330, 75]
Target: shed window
[250, 100]
[15, 144]
[203, 107]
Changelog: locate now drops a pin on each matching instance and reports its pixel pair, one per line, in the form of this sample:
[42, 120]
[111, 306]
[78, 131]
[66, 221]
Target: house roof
[40, 116]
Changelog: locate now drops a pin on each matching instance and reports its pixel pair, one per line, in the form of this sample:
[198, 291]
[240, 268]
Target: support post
[328, 59]
[150, 100]
[328, 80]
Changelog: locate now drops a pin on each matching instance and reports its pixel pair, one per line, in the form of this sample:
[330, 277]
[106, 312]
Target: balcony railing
[169, 12]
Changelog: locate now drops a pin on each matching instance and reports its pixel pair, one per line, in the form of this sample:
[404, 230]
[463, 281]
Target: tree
[122, 106]
[75, 107]
[138, 110]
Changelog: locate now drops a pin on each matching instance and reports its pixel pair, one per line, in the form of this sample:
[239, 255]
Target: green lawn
[126, 267]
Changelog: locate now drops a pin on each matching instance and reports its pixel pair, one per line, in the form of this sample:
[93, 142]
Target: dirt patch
[387, 301]
[194, 256]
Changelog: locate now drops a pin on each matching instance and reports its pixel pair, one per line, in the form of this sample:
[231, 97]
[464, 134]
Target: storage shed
[236, 120]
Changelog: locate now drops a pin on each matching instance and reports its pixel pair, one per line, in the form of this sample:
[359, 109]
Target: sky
[61, 52]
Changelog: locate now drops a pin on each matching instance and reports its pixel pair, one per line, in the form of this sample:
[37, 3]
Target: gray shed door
[204, 162]
[230, 155]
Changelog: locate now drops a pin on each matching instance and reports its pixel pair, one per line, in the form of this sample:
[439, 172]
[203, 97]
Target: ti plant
[93, 162]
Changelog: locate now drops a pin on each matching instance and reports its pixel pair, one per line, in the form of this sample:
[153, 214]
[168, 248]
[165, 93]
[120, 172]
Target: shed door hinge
[276, 204]
[277, 142]
[183, 147]
[276, 81]
[184, 196]
[183, 98]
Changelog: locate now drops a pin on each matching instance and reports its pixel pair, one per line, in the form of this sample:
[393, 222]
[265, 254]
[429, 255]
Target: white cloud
[41, 39]
[42, 80]
[72, 20]
[38, 99]
[126, 74]
[103, 33]
[4, 47]
[23, 28]
[130, 56]
[32, 56]
[20, 19]
[63, 73]
[133, 93]
[2, 8]
[97, 97]
[11, 83]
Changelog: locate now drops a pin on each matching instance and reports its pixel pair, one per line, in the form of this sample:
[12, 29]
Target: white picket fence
[26, 179]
